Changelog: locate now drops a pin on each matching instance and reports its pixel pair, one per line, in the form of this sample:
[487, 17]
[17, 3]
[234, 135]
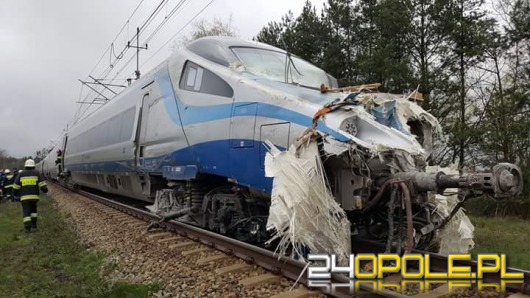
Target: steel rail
[340, 285]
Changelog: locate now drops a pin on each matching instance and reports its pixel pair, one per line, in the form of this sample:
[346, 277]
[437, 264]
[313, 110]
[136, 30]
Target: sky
[46, 46]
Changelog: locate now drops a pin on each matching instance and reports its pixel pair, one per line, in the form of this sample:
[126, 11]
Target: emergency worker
[7, 187]
[29, 185]
[1, 183]
[59, 162]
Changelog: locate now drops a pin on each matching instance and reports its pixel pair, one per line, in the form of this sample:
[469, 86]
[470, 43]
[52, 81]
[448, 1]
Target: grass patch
[51, 262]
[508, 235]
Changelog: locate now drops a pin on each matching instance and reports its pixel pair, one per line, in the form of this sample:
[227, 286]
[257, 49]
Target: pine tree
[506, 128]
[279, 34]
[425, 42]
[310, 36]
[385, 57]
[340, 22]
[465, 30]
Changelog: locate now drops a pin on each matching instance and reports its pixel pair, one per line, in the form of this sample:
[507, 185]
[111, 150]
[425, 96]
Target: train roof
[218, 48]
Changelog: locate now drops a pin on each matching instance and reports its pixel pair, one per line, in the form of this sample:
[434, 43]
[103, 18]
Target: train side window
[198, 79]
[114, 129]
[127, 123]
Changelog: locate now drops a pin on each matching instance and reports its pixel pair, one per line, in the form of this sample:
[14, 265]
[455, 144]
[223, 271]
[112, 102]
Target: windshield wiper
[288, 62]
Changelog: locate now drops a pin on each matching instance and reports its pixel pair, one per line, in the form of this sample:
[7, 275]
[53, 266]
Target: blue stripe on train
[245, 165]
[199, 114]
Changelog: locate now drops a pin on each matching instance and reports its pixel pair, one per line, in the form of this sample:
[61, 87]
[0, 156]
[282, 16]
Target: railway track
[261, 272]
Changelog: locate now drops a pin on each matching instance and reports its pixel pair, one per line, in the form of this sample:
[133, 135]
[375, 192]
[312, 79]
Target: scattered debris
[388, 135]
[457, 236]
[303, 211]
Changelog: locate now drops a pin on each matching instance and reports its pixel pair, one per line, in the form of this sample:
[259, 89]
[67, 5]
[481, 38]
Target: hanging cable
[118, 57]
[178, 32]
[117, 35]
[105, 52]
[166, 19]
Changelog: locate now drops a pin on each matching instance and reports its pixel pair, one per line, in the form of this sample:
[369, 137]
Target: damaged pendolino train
[189, 136]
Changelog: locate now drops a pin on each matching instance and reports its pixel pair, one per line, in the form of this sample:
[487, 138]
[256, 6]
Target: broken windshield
[274, 65]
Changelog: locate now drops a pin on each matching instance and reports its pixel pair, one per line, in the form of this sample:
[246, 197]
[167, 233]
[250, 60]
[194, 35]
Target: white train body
[203, 115]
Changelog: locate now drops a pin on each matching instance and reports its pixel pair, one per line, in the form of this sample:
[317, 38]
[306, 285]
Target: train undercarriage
[396, 210]
[376, 185]
[214, 204]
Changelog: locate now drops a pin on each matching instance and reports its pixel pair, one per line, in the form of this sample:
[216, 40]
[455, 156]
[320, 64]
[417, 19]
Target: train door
[243, 147]
[65, 141]
[143, 119]
[205, 102]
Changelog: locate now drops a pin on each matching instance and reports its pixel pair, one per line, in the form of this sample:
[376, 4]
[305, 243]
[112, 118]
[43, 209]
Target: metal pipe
[505, 180]
[391, 220]
[178, 214]
[408, 210]
[378, 195]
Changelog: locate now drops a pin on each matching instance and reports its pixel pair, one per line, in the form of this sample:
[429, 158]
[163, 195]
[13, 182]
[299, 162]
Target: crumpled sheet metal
[303, 211]
[406, 110]
[457, 236]
[402, 111]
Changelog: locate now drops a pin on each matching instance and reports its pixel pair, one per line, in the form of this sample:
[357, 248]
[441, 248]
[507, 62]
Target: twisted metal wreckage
[189, 137]
[397, 199]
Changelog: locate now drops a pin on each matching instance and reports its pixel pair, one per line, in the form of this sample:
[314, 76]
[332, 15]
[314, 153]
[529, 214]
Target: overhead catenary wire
[126, 25]
[174, 11]
[117, 35]
[178, 32]
[118, 57]
[168, 40]
[160, 26]
[146, 23]
[166, 19]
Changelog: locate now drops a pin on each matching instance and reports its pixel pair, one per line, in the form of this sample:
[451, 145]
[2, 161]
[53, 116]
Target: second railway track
[236, 269]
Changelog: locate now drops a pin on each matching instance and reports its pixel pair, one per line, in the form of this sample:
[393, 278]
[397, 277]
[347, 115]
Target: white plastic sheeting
[457, 236]
[303, 211]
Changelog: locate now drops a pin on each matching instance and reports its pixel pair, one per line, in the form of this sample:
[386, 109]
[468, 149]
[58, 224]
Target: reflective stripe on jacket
[29, 184]
[8, 182]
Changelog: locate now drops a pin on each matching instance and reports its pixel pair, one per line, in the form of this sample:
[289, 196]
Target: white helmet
[30, 163]
[7, 171]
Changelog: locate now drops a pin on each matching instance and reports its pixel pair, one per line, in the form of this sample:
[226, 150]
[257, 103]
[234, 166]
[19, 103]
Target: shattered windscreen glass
[272, 65]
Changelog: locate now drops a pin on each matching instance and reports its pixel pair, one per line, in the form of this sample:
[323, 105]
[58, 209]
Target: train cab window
[196, 78]
[191, 76]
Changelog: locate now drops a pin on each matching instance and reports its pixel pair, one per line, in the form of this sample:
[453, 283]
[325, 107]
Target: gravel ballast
[134, 256]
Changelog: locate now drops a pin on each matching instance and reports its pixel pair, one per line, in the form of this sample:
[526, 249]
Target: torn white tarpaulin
[303, 211]
[457, 236]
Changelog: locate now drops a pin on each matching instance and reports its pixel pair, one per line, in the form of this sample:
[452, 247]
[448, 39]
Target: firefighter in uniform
[29, 185]
[8, 184]
[1, 184]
